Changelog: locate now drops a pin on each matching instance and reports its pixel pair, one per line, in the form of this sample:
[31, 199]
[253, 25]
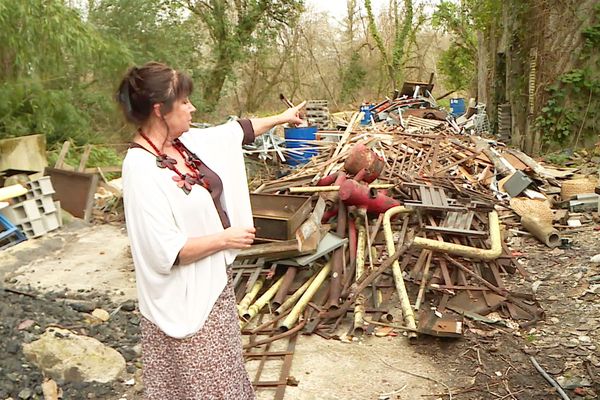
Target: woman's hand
[292, 115]
[238, 238]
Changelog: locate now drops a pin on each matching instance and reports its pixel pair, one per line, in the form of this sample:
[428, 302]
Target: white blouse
[160, 218]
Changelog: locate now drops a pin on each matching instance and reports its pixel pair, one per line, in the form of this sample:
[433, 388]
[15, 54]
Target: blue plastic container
[294, 140]
[366, 109]
[457, 106]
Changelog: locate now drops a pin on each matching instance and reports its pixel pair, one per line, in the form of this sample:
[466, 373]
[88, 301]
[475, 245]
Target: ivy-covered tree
[395, 58]
[236, 27]
[463, 20]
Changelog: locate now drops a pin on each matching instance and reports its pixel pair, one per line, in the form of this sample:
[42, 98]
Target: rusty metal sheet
[74, 190]
[276, 217]
[446, 326]
[476, 301]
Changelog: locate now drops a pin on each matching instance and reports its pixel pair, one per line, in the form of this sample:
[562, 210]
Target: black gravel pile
[21, 380]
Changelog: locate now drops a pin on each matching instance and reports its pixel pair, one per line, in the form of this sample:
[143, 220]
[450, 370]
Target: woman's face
[180, 117]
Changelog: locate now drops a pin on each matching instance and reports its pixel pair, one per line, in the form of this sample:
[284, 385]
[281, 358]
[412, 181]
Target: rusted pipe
[542, 230]
[335, 284]
[352, 240]
[306, 297]
[286, 305]
[359, 307]
[328, 180]
[247, 300]
[354, 194]
[288, 279]
[331, 197]
[273, 338]
[262, 300]
[366, 280]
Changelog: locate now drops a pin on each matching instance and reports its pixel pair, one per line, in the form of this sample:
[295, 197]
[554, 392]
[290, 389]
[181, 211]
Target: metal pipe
[306, 297]
[424, 279]
[331, 197]
[407, 312]
[262, 300]
[466, 251]
[335, 284]
[476, 253]
[247, 300]
[288, 279]
[359, 307]
[327, 215]
[542, 230]
[354, 194]
[328, 180]
[352, 237]
[333, 188]
[294, 297]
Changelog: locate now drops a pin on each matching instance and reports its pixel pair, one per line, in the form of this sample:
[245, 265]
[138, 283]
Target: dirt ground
[92, 264]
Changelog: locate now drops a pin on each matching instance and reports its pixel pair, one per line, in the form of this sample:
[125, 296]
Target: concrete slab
[90, 258]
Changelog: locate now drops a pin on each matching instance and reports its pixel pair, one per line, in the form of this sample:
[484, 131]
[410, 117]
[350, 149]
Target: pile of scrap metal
[421, 212]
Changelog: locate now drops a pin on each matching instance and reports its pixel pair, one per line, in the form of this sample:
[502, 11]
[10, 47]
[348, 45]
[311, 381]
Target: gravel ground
[493, 362]
[21, 380]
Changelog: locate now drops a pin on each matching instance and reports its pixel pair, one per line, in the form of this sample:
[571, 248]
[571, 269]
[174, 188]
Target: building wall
[527, 49]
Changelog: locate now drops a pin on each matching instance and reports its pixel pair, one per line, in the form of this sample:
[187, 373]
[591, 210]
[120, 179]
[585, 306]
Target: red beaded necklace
[192, 161]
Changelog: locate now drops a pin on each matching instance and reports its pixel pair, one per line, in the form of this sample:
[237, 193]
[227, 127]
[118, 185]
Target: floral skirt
[206, 366]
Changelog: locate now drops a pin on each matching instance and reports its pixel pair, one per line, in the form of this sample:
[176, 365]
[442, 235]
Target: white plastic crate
[47, 203]
[39, 187]
[50, 221]
[33, 228]
[22, 212]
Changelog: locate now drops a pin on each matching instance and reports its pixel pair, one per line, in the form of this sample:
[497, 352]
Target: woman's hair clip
[124, 97]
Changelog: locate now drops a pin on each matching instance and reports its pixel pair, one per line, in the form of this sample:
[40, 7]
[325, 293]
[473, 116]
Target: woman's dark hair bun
[152, 83]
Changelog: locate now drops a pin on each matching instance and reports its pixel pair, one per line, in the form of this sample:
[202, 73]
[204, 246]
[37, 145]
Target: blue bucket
[304, 150]
[457, 106]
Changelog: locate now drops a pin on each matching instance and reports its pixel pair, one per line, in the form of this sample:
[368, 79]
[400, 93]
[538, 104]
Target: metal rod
[289, 276]
[359, 307]
[262, 300]
[333, 188]
[247, 300]
[424, 279]
[294, 297]
[335, 284]
[306, 297]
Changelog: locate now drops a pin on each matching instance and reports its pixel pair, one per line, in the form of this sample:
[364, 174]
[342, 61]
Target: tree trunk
[215, 80]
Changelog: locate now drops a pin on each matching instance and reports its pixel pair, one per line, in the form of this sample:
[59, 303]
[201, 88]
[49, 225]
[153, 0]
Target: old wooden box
[276, 217]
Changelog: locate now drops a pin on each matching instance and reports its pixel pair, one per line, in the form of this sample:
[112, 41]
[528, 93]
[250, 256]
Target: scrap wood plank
[342, 143]
[60, 161]
[84, 158]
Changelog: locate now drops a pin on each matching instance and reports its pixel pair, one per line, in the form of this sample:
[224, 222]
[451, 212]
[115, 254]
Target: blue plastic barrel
[457, 106]
[294, 140]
